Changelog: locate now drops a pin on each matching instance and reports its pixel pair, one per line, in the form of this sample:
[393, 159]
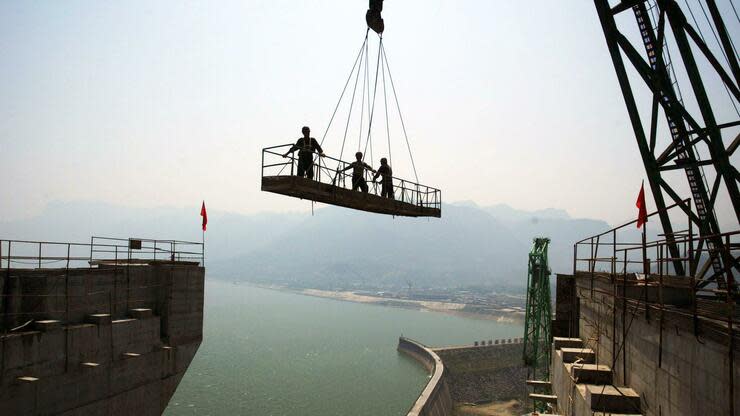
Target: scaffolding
[537, 332]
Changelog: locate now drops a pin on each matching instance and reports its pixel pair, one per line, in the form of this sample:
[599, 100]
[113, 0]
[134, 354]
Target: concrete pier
[107, 340]
[633, 356]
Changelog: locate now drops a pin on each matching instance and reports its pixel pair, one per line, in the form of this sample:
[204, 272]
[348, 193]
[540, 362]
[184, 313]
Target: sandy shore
[457, 309]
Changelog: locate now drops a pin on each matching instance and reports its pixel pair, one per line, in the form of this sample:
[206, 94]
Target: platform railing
[650, 264]
[612, 253]
[25, 254]
[329, 170]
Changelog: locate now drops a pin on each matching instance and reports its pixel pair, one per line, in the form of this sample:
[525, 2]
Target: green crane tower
[537, 336]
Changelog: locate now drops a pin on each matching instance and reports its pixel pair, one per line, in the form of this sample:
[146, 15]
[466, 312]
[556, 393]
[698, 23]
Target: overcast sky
[151, 103]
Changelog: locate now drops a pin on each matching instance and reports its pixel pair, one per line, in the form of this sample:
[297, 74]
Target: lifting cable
[381, 66]
[345, 88]
[398, 106]
[701, 35]
[349, 77]
[372, 109]
[714, 33]
[352, 101]
[365, 81]
[385, 106]
[732, 3]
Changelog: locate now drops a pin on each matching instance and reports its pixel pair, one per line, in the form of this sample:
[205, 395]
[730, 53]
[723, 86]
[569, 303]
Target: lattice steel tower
[696, 122]
[537, 335]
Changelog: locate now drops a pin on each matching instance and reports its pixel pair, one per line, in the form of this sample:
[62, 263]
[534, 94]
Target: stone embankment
[489, 371]
[435, 399]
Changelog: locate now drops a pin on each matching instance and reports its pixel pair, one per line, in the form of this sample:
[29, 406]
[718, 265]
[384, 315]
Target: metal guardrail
[51, 254]
[644, 265]
[275, 164]
[605, 252]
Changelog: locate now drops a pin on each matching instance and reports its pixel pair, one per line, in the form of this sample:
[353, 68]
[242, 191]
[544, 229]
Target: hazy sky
[149, 103]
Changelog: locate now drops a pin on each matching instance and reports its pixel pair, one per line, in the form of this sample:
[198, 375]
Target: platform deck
[304, 188]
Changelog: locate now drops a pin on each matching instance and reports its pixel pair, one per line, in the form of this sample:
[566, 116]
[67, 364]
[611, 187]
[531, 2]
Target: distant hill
[469, 245]
[556, 224]
[338, 246]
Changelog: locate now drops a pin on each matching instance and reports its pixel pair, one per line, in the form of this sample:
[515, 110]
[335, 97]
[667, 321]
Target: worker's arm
[368, 167]
[347, 168]
[318, 147]
[292, 149]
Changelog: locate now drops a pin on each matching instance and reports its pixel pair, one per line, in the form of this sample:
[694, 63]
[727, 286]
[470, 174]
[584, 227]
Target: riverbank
[503, 315]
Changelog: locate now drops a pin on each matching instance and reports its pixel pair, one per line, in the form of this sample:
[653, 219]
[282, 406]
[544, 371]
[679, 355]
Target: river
[273, 353]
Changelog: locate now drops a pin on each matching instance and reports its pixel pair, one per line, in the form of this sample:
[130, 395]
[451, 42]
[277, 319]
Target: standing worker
[358, 172]
[386, 182]
[306, 147]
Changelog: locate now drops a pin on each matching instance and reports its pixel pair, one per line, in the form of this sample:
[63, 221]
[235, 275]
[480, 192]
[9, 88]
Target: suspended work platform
[330, 185]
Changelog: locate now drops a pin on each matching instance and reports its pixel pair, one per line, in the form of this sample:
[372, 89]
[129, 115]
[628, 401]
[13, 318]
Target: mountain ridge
[470, 245]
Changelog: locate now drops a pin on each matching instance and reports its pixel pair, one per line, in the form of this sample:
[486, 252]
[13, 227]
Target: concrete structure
[487, 371]
[491, 371]
[107, 340]
[636, 355]
[435, 399]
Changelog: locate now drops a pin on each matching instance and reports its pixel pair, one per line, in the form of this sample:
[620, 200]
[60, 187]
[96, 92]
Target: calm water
[273, 353]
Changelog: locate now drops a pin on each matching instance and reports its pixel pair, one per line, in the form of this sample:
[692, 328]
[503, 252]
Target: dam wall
[485, 372]
[675, 364]
[114, 339]
[435, 399]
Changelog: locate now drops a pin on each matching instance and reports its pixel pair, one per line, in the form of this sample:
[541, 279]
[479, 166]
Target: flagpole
[203, 247]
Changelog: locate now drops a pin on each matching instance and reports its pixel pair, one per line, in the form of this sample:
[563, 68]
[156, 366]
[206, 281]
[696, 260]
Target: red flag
[642, 216]
[204, 215]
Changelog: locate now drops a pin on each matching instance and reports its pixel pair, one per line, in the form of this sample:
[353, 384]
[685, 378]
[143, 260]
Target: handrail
[683, 255]
[635, 221]
[266, 149]
[19, 253]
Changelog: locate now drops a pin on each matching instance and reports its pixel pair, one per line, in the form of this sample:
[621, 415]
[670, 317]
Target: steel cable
[398, 106]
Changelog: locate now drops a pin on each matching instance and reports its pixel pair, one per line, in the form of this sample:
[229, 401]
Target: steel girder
[687, 130]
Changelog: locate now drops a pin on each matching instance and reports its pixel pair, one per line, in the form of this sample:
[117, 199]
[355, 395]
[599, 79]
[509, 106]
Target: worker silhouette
[373, 17]
[386, 182]
[306, 147]
[358, 172]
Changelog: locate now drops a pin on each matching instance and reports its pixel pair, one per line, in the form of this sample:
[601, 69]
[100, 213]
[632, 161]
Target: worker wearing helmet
[358, 173]
[306, 147]
[386, 182]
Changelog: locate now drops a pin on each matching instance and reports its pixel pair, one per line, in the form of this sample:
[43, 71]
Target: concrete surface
[98, 360]
[674, 365]
[435, 399]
